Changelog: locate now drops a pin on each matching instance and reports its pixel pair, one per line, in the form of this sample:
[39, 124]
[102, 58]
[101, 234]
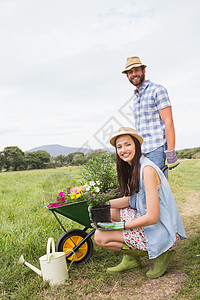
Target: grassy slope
[25, 226]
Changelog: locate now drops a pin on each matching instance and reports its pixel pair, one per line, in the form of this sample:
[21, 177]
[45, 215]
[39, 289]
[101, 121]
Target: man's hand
[111, 226]
[172, 160]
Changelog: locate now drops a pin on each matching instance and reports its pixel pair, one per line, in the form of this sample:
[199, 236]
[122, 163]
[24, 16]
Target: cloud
[61, 65]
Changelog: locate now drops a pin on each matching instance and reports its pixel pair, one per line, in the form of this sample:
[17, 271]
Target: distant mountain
[55, 149]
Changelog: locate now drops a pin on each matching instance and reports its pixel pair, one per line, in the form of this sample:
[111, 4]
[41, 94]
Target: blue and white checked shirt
[147, 103]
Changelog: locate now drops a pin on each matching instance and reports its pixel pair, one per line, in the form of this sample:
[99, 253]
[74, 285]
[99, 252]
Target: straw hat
[126, 130]
[132, 62]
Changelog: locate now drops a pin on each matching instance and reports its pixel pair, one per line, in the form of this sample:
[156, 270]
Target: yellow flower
[78, 195]
[79, 190]
[73, 194]
[72, 197]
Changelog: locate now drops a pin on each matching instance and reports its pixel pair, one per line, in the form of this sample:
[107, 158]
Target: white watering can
[53, 265]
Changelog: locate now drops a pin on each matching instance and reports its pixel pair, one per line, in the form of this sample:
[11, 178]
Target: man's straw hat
[133, 62]
[126, 130]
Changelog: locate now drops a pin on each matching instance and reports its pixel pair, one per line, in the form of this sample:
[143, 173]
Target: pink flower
[76, 188]
[55, 204]
[68, 188]
[61, 193]
[63, 199]
[57, 199]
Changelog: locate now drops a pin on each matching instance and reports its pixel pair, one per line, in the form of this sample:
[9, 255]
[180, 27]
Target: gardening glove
[111, 226]
[90, 213]
[94, 225]
[172, 160]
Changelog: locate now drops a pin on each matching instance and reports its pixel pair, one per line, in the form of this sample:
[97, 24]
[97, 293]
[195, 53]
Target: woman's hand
[111, 226]
[119, 202]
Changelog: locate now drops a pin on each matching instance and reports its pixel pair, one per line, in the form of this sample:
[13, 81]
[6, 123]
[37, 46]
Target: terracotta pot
[100, 214]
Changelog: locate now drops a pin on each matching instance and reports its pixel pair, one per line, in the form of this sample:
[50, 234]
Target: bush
[196, 155]
[102, 169]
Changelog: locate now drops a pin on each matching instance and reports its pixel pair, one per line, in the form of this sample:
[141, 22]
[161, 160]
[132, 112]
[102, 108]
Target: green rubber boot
[128, 262]
[160, 264]
[133, 252]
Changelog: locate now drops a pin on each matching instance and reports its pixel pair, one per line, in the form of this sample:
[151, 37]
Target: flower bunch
[68, 196]
[102, 198]
[93, 187]
[89, 192]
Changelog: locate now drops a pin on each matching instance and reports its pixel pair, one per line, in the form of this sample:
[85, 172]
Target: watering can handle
[50, 240]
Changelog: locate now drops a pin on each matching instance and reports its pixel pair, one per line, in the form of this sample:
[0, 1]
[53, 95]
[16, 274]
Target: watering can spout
[22, 261]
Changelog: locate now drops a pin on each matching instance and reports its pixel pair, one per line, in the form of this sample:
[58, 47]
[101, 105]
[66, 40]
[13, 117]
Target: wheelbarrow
[76, 243]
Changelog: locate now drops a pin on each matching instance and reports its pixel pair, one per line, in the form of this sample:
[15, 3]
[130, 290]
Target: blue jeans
[158, 157]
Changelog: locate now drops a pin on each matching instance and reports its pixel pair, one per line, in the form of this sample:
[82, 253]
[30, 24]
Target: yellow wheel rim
[70, 243]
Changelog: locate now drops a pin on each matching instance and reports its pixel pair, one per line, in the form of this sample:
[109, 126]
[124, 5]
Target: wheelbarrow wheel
[69, 240]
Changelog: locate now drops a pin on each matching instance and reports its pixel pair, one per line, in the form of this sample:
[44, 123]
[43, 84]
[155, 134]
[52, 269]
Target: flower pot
[100, 214]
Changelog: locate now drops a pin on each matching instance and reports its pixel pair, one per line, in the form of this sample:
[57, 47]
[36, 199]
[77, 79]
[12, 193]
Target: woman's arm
[151, 181]
[119, 202]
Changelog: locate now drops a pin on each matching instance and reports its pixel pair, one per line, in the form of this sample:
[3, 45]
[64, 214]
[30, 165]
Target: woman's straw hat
[132, 62]
[126, 130]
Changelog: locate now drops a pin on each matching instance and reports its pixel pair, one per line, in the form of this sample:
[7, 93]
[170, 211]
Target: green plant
[101, 169]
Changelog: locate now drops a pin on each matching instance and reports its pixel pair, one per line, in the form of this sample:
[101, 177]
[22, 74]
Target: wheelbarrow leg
[58, 220]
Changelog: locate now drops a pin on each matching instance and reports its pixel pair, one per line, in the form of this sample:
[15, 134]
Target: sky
[61, 64]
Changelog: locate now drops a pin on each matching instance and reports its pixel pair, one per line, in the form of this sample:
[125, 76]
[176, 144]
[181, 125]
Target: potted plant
[98, 202]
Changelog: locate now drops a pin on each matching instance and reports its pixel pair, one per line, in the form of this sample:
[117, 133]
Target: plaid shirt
[146, 106]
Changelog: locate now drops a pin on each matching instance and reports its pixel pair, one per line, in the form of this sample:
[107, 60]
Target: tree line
[193, 153]
[13, 158]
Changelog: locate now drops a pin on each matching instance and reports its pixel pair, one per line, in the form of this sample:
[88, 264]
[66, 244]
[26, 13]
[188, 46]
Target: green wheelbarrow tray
[77, 212]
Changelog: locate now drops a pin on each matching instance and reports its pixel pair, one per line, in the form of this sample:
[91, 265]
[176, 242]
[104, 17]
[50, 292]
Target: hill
[55, 149]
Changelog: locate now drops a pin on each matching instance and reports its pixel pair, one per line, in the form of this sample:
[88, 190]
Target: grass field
[26, 225]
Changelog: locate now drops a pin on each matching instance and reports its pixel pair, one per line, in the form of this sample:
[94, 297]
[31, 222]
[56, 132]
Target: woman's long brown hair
[129, 175]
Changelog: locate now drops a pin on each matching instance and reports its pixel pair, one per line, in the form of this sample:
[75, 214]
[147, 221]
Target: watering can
[53, 265]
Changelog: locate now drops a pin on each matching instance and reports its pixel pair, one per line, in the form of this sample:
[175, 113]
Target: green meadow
[26, 225]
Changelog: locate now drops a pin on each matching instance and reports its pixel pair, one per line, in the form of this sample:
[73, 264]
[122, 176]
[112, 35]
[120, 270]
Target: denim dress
[161, 236]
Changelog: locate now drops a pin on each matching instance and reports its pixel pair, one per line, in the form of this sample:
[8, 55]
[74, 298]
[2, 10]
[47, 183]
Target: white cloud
[61, 65]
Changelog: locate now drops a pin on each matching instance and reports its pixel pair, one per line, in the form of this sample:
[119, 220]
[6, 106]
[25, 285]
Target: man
[152, 115]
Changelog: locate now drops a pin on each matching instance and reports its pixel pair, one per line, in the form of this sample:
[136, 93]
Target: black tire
[70, 239]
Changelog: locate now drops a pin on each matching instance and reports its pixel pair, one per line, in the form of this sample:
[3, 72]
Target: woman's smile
[125, 148]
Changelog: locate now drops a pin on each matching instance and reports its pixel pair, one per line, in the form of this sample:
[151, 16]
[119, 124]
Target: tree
[13, 158]
[70, 158]
[61, 159]
[1, 160]
[43, 157]
[78, 159]
[93, 154]
[32, 161]
[37, 159]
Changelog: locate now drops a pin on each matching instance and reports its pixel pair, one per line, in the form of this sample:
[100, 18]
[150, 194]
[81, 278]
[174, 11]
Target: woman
[145, 221]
